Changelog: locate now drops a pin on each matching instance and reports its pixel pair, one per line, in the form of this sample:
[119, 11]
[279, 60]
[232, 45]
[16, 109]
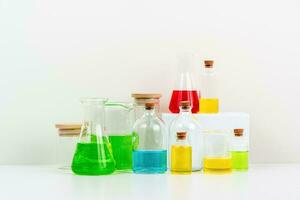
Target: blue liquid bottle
[149, 143]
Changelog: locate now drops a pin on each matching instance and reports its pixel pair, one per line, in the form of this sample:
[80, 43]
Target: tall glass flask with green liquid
[93, 154]
[239, 150]
[119, 121]
[149, 143]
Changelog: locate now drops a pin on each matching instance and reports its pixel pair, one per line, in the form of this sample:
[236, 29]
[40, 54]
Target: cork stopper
[238, 132]
[146, 95]
[181, 135]
[208, 63]
[185, 104]
[149, 105]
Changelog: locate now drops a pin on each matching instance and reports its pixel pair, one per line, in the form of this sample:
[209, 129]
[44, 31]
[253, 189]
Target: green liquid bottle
[93, 158]
[239, 152]
[122, 151]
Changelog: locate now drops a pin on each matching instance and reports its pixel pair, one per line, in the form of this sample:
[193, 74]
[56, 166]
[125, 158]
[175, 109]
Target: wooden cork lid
[185, 104]
[238, 132]
[149, 105]
[146, 95]
[181, 135]
[208, 63]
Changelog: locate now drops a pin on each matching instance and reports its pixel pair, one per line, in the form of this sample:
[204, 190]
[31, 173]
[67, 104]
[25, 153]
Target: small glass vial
[209, 102]
[217, 158]
[181, 155]
[239, 151]
[186, 122]
[140, 99]
[149, 143]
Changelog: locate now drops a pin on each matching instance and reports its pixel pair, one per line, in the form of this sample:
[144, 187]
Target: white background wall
[54, 51]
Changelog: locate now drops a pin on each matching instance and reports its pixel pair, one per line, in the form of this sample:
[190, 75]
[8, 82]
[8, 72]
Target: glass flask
[186, 122]
[119, 119]
[239, 150]
[184, 90]
[93, 154]
[181, 155]
[139, 102]
[149, 143]
[209, 102]
[217, 155]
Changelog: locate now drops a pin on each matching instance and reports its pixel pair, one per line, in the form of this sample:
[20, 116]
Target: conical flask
[184, 89]
[93, 154]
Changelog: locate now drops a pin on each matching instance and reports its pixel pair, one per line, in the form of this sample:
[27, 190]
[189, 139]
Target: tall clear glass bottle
[93, 154]
[186, 122]
[149, 143]
[184, 89]
[181, 155]
[209, 101]
[239, 150]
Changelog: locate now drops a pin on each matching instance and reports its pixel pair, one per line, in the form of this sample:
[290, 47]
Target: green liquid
[93, 159]
[122, 151]
[239, 160]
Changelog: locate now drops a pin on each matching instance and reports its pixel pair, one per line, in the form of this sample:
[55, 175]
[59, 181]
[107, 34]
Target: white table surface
[274, 182]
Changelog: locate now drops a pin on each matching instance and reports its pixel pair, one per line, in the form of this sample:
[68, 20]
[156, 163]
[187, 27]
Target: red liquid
[184, 95]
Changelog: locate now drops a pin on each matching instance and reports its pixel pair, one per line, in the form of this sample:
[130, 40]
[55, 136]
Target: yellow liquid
[217, 165]
[209, 106]
[181, 159]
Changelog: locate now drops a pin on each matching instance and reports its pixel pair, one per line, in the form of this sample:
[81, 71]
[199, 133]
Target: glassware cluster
[133, 137]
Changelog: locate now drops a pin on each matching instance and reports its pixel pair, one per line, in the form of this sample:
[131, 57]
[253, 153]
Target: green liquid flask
[239, 151]
[119, 119]
[93, 154]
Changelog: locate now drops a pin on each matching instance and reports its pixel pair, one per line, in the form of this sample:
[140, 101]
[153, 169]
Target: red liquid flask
[184, 95]
[184, 90]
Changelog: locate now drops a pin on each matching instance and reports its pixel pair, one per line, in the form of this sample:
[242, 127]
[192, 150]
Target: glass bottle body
[239, 153]
[209, 100]
[149, 144]
[186, 122]
[181, 157]
[93, 154]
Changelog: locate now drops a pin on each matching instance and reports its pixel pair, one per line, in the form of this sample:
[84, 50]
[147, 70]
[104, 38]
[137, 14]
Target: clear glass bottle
[186, 122]
[239, 150]
[217, 159]
[149, 143]
[140, 99]
[184, 89]
[93, 154]
[181, 155]
[119, 119]
[209, 101]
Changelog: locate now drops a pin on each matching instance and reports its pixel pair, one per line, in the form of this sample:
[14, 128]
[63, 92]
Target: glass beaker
[149, 143]
[186, 122]
[184, 89]
[217, 157]
[93, 154]
[140, 99]
[119, 119]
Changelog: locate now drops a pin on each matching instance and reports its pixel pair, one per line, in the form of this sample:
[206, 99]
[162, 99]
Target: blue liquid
[149, 161]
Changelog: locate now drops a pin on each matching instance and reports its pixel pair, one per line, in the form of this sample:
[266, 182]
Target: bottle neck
[185, 112]
[182, 142]
[149, 112]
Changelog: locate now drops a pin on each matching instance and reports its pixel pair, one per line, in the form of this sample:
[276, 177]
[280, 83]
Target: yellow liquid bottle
[220, 165]
[209, 102]
[181, 155]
